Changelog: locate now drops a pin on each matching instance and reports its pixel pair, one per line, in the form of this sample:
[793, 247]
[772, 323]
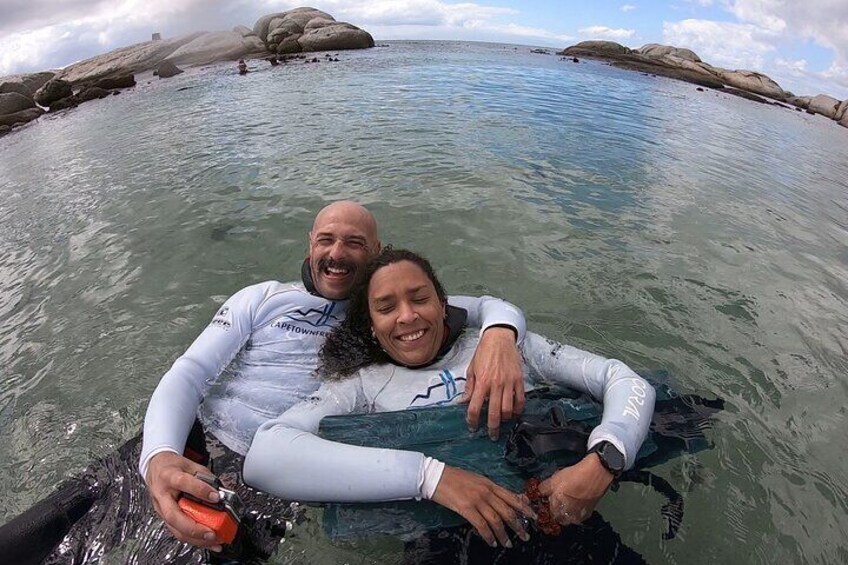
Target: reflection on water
[629, 215]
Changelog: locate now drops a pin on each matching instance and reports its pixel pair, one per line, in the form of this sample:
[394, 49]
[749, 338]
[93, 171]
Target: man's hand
[487, 506]
[574, 491]
[168, 476]
[495, 373]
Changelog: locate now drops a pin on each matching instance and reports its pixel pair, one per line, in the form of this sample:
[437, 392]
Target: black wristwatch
[611, 458]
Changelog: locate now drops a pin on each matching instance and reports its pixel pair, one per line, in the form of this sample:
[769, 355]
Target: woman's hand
[574, 491]
[496, 373]
[168, 476]
[484, 504]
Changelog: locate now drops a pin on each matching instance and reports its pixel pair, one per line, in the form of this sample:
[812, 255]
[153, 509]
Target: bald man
[258, 355]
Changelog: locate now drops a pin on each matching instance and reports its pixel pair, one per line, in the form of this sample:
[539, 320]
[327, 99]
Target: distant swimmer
[242, 67]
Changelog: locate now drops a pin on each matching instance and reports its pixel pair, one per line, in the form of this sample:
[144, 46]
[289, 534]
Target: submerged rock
[123, 81]
[21, 117]
[65, 103]
[92, 93]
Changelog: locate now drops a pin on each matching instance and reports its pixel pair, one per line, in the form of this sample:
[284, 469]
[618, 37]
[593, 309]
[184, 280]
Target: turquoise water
[629, 215]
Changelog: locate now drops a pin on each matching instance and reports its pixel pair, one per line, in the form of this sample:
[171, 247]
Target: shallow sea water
[629, 215]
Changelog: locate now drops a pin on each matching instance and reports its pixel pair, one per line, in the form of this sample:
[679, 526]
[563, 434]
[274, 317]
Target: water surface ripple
[629, 215]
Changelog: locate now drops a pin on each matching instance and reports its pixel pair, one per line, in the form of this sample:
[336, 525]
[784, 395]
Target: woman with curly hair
[402, 346]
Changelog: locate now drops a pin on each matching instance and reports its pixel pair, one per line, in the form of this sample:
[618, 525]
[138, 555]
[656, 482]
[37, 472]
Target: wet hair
[351, 346]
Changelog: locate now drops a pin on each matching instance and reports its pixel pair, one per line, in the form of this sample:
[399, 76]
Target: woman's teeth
[411, 337]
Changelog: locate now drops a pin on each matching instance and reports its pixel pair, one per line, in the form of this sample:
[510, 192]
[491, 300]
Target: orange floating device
[223, 517]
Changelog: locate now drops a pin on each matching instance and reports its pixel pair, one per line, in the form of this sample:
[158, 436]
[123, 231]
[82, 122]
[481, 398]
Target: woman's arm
[288, 460]
[628, 403]
[628, 399]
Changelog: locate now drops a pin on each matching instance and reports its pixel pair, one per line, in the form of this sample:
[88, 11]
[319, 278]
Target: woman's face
[407, 317]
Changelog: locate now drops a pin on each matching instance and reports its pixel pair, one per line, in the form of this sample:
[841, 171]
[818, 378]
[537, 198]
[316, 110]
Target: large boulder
[167, 69]
[751, 81]
[12, 102]
[16, 87]
[21, 117]
[824, 105]
[335, 37]
[216, 46]
[122, 81]
[844, 121]
[126, 60]
[681, 63]
[308, 29]
[54, 90]
[92, 93]
[842, 111]
[26, 84]
[598, 48]
[65, 103]
[657, 50]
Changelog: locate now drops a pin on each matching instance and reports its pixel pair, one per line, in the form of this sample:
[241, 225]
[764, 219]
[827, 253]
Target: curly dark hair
[350, 345]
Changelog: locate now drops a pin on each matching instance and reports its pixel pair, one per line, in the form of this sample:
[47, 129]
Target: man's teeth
[411, 337]
[336, 271]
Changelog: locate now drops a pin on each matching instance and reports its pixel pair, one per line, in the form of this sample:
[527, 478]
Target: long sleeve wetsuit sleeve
[289, 460]
[487, 311]
[627, 398]
[173, 406]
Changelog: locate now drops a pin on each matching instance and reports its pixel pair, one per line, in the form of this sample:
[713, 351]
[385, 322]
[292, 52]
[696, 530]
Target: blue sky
[803, 44]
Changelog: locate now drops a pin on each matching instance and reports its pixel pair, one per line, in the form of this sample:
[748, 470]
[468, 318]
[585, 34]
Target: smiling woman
[400, 347]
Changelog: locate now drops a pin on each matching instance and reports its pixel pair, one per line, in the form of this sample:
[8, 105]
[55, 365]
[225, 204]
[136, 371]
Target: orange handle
[219, 521]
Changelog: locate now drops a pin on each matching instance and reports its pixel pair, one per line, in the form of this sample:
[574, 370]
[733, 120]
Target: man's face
[340, 243]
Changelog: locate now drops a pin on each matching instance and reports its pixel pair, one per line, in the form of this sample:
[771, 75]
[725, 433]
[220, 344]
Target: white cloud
[628, 8]
[724, 44]
[798, 68]
[604, 32]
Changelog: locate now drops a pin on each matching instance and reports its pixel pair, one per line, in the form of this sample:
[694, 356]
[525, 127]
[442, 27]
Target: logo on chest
[442, 390]
[311, 321]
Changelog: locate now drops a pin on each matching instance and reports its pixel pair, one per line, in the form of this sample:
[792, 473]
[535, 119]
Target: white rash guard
[288, 460]
[263, 343]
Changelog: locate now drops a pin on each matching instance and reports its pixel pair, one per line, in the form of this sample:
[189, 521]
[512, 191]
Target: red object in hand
[216, 519]
[545, 522]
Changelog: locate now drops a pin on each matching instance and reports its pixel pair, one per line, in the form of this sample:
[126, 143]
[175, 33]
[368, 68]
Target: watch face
[613, 457]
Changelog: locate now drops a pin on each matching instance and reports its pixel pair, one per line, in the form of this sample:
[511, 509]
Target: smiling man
[258, 357]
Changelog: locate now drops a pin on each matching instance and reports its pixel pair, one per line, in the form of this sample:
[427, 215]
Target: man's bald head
[343, 238]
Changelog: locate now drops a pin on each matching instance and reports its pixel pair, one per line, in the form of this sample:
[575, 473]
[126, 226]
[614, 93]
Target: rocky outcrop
[54, 90]
[16, 87]
[126, 60]
[595, 48]
[751, 81]
[168, 69]
[92, 93]
[217, 46]
[802, 102]
[656, 50]
[308, 29]
[824, 105]
[122, 81]
[65, 103]
[12, 102]
[842, 110]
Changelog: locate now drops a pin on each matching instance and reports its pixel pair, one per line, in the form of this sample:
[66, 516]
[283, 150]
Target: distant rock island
[684, 64]
[24, 98]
